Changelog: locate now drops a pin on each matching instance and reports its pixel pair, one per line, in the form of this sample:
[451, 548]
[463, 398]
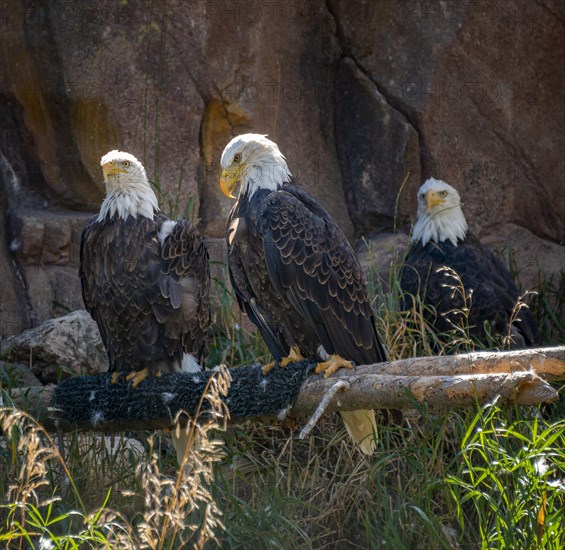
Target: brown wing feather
[185, 259]
[311, 264]
[250, 279]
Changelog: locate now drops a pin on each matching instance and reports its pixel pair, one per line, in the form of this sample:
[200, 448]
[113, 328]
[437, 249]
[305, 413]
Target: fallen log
[94, 403]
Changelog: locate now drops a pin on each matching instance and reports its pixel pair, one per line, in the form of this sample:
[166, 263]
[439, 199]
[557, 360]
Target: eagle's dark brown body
[494, 294]
[297, 277]
[150, 302]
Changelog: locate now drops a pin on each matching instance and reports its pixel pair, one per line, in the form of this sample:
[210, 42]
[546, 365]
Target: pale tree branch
[322, 406]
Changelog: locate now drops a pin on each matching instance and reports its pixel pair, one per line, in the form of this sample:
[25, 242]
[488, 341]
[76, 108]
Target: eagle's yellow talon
[266, 368]
[293, 356]
[115, 377]
[137, 377]
[334, 363]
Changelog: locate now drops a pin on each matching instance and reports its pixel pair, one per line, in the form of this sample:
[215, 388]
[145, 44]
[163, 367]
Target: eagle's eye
[126, 163]
[237, 157]
[443, 194]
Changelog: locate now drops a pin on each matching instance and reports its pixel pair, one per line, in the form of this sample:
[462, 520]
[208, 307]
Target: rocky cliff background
[366, 99]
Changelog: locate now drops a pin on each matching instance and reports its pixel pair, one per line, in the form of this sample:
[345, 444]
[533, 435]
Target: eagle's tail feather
[362, 427]
[182, 443]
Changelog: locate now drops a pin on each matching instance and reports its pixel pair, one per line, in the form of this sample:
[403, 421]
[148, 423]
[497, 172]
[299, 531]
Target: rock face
[45, 244]
[482, 99]
[377, 147]
[366, 100]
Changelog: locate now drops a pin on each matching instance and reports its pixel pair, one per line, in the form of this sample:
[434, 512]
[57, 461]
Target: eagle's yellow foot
[334, 363]
[138, 377]
[115, 377]
[293, 357]
[266, 368]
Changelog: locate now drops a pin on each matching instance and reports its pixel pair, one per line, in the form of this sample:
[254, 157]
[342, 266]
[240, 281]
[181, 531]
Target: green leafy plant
[45, 506]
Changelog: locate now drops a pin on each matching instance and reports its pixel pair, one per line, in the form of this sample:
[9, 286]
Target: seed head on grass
[458, 318]
[32, 498]
[28, 451]
[183, 511]
[177, 511]
[508, 339]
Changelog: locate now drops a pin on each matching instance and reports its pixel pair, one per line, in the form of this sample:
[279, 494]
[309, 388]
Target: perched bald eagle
[440, 239]
[293, 271]
[145, 279]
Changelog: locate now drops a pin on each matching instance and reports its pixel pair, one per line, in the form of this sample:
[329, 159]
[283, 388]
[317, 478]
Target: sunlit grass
[54, 501]
[511, 487]
[548, 306]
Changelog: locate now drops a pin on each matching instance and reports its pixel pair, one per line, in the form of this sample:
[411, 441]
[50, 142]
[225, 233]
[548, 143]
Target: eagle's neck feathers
[268, 171]
[448, 224]
[129, 201]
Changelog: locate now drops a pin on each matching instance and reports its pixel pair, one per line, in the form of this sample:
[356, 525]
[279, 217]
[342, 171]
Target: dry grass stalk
[178, 512]
[172, 505]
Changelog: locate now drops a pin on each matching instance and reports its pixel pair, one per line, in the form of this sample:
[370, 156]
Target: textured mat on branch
[92, 401]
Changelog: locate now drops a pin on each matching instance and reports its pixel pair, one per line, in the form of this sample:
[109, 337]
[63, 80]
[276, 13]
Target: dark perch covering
[88, 402]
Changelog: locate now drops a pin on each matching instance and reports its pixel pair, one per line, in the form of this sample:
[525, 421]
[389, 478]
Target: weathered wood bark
[518, 377]
[545, 362]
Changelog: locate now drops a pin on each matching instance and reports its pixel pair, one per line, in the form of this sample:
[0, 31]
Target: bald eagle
[440, 239]
[145, 279]
[293, 271]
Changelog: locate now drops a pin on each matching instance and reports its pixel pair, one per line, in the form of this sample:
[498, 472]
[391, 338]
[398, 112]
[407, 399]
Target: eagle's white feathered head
[440, 217]
[255, 162]
[128, 191]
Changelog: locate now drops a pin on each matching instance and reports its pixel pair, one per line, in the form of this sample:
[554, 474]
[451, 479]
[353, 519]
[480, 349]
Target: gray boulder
[58, 348]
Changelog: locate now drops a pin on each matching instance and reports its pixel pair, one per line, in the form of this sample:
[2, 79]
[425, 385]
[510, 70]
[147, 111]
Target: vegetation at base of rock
[490, 477]
[548, 306]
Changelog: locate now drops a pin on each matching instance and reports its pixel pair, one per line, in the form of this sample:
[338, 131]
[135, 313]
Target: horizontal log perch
[549, 363]
[94, 403]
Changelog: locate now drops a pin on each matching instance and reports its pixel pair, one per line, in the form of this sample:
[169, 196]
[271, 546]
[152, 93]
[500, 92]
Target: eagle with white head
[440, 239]
[294, 272]
[145, 279]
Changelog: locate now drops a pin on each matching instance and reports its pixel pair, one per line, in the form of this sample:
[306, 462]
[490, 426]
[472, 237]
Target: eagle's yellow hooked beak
[432, 199]
[110, 169]
[228, 182]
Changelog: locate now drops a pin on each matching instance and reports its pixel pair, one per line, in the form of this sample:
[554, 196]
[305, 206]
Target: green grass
[432, 484]
[486, 477]
[548, 306]
[474, 478]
